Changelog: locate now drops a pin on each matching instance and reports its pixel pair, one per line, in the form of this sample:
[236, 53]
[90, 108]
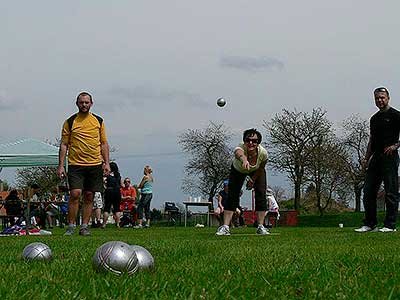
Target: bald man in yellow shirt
[83, 136]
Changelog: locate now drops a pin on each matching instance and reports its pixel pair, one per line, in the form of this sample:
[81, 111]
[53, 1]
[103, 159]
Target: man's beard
[84, 112]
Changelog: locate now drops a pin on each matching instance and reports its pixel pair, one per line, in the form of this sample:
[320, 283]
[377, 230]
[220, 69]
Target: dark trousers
[143, 208]
[382, 168]
[236, 180]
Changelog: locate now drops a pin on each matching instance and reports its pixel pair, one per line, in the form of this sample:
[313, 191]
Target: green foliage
[6, 186]
[287, 204]
[45, 177]
[192, 263]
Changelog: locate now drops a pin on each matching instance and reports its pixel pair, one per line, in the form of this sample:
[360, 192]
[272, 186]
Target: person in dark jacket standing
[382, 162]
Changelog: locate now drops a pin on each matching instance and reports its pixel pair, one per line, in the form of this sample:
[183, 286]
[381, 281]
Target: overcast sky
[156, 68]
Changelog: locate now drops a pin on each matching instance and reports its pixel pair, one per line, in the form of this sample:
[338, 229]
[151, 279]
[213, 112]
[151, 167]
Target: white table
[202, 203]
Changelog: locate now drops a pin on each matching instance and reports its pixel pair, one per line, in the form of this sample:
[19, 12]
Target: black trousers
[236, 180]
[384, 168]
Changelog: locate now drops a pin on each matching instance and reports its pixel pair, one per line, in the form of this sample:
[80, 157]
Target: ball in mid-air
[146, 260]
[221, 102]
[116, 257]
[37, 251]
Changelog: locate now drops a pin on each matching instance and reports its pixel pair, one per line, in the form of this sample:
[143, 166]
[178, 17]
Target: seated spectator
[222, 198]
[237, 218]
[35, 193]
[273, 208]
[64, 209]
[128, 202]
[52, 211]
[14, 207]
[37, 210]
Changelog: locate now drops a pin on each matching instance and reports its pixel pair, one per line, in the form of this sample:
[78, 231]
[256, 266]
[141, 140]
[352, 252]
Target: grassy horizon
[193, 263]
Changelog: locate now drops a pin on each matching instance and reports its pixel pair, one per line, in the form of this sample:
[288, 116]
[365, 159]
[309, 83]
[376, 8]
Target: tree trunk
[357, 193]
[297, 195]
[318, 196]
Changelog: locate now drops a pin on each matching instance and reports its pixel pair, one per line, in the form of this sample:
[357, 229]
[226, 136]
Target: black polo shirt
[384, 129]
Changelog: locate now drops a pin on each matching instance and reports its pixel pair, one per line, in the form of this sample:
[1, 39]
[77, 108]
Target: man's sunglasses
[254, 141]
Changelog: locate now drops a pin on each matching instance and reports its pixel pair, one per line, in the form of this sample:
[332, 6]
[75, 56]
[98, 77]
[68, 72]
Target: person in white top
[249, 162]
[273, 208]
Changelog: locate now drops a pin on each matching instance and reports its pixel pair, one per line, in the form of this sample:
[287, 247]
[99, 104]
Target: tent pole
[28, 219]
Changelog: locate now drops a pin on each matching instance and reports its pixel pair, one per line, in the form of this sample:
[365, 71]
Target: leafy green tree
[45, 177]
[5, 184]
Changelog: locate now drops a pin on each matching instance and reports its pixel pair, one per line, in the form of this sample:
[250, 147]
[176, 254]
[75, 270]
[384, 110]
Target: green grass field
[193, 263]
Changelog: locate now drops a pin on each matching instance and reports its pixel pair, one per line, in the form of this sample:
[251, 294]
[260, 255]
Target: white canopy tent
[28, 152]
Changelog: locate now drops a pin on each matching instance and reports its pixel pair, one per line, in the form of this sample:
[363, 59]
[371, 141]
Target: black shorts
[86, 178]
[112, 197]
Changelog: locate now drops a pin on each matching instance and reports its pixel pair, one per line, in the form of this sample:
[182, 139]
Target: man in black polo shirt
[382, 162]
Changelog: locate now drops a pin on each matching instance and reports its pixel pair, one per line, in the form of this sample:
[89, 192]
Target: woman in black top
[112, 195]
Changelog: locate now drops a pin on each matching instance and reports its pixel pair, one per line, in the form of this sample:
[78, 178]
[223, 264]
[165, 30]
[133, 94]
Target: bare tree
[289, 136]
[355, 140]
[209, 159]
[325, 169]
[279, 193]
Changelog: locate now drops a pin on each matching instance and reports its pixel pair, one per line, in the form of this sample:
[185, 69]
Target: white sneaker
[366, 229]
[387, 229]
[262, 230]
[223, 230]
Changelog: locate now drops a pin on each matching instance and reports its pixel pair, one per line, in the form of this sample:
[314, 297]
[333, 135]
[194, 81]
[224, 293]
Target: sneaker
[147, 226]
[139, 226]
[93, 225]
[70, 231]
[387, 229]
[84, 231]
[366, 229]
[223, 230]
[261, 230]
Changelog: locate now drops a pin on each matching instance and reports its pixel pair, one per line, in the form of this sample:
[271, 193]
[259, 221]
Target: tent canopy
[28, 153]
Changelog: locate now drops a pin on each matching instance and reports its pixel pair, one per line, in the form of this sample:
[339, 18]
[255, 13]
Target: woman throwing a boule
[249, 161]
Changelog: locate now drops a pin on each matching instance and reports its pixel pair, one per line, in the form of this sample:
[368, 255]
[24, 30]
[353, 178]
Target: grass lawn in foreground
[193, 263]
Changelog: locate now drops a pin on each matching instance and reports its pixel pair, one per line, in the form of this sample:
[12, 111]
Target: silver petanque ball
[146, 260]
[116, 257]
[221, 102]
[37, 251]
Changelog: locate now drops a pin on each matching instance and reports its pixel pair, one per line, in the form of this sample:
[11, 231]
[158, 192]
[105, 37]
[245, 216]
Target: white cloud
[251, 64]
